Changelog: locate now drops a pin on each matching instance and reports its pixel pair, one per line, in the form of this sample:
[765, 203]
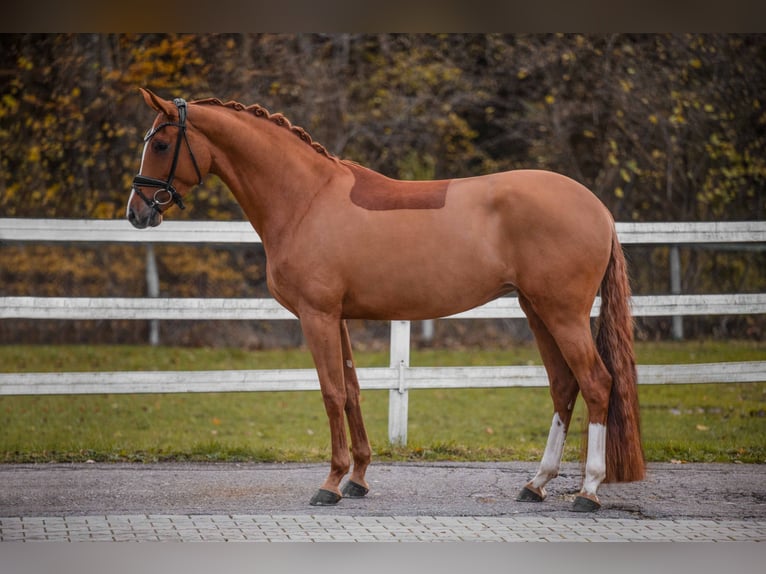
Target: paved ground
[408, 502]
[316, 528]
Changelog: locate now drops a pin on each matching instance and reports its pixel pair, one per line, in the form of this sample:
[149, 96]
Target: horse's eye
[160, 146]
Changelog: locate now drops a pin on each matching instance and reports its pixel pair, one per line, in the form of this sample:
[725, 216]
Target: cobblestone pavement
[407, 502]
[313, 528]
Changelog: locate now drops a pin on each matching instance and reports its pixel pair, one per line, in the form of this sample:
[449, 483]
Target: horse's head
[171, 163]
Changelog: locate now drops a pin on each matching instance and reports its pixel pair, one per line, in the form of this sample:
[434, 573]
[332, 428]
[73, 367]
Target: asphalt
[407, 502]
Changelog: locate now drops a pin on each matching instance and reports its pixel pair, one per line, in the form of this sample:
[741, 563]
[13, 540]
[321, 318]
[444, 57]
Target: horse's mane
[276, 118]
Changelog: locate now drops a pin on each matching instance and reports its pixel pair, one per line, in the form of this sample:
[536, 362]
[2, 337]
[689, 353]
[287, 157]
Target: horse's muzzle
[144, 217]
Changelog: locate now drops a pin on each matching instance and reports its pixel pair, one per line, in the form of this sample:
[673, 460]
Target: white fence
[399, 377]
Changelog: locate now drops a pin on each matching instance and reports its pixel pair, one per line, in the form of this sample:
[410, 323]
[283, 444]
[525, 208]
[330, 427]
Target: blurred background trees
[660, 127]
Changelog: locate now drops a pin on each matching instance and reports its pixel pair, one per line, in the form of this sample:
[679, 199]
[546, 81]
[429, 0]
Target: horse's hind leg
[563, 389]
[356, 486]
[578, 348]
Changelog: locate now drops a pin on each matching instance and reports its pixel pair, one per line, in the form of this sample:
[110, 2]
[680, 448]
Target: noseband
[139, 180]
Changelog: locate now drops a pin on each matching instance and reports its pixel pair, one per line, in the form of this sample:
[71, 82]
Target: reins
[167, 185]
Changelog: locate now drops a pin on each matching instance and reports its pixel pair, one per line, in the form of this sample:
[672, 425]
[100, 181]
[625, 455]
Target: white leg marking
[595, 464]
[554, 448]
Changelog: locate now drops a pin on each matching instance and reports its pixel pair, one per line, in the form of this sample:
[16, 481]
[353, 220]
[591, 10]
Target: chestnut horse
[343, 242]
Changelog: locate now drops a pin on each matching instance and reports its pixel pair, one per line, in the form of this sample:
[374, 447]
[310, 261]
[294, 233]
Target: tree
[660, 127]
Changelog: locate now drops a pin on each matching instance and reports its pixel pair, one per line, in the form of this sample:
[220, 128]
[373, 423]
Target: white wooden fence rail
[269, 310]
[120, 231]
[399, 377]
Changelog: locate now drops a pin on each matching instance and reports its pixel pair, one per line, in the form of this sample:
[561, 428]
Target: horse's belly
[420, 294]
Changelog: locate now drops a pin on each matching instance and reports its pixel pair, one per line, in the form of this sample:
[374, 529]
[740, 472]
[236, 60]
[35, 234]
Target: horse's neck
[270, 171]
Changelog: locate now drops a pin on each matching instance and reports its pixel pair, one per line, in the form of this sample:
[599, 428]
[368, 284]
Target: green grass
[724, 422]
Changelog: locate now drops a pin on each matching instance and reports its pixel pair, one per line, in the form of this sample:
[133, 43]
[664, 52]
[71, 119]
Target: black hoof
[354, 490]
[585, 504]
[325, 498]
[529, 495]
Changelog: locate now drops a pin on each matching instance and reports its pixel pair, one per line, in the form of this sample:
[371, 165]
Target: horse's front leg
[323, 335]
[357, 486]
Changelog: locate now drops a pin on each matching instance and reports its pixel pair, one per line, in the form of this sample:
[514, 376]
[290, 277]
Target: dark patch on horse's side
[378, 193]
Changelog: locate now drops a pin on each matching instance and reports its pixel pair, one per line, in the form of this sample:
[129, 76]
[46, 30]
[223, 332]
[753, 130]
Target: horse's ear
[157, 103]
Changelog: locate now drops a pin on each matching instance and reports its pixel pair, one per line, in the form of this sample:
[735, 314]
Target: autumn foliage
[660, 127]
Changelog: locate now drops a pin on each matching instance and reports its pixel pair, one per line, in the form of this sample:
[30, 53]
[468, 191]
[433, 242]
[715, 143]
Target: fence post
[152, 290]
[675, 289]
[428, 331]
[398, 398]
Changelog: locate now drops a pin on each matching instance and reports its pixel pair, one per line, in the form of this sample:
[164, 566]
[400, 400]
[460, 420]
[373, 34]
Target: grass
[697, 423]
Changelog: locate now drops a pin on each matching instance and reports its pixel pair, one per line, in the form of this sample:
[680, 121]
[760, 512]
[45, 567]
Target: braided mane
[276, 118]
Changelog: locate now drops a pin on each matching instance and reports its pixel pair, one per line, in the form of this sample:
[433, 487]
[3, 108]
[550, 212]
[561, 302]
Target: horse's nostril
[134, 219]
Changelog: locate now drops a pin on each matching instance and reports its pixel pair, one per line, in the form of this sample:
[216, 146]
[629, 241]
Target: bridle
[139, 180]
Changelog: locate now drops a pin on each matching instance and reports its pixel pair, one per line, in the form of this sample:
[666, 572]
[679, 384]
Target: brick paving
[338, 528]
[408, 502]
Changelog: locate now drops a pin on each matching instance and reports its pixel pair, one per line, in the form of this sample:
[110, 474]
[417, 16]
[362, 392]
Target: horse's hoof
[586, 503]
[325, 498]
[531, 494]
[354, 490]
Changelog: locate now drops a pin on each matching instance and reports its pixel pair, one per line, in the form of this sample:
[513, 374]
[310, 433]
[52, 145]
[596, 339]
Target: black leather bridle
[139, 180]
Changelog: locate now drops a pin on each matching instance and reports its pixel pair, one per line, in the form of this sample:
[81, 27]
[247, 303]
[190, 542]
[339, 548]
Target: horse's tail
[614, 340]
